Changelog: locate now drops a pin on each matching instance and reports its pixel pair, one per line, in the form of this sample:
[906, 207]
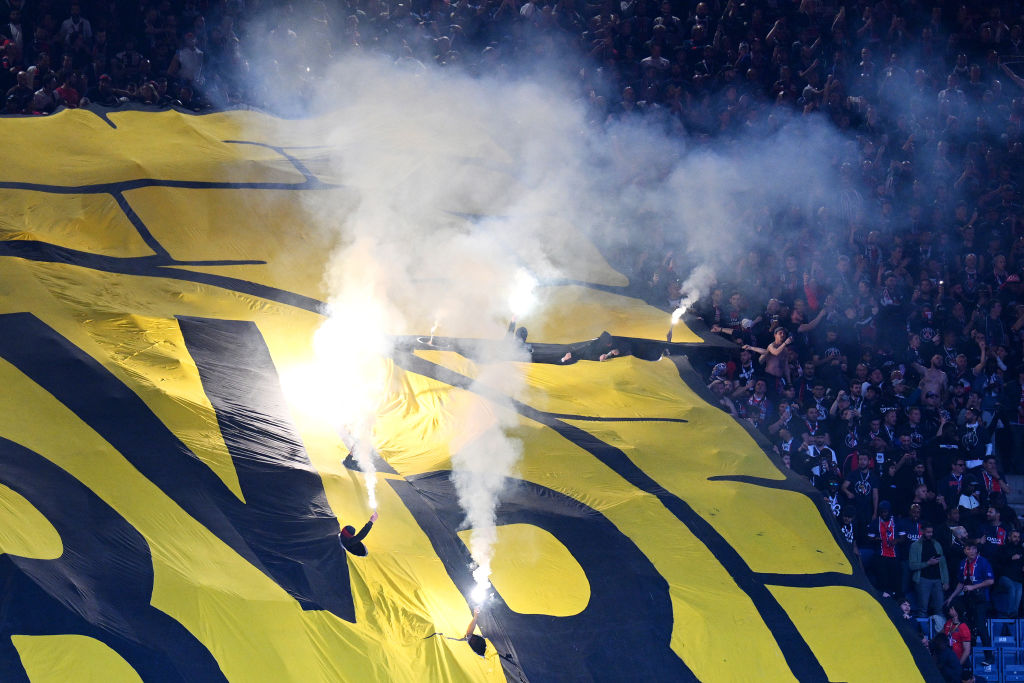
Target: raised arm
[472, 624]
[837, 23]
[1013, 77]
[980, 367]
[366, 527]
[776, 349]
[807, 327]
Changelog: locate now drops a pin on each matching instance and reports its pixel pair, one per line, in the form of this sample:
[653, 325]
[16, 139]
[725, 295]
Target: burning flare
[521, 298]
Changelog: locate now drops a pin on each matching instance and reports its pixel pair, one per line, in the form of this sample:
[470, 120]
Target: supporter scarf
[890, 434]
[969, 438]
[969, 568]
[747, 372]
[834, 504]
[994, 384]
[761, 405]
[991, 483]
[887, 537]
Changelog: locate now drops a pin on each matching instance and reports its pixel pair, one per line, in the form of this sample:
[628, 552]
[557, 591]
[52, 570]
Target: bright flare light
[344, 384]
[481, 591]
[677, 314]
[307, 393]
[684, 306]
[522, 298]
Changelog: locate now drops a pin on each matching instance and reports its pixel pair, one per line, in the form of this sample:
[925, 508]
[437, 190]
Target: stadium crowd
[879, 327]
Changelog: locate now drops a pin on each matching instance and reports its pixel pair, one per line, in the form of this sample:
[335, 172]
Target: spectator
[975, 579]
[773, 358]
[19, 97]
[187, 65]
[930, 575]
[45, 100]
[958, 634]
[884, 531]
[1011, 405]
[992, 535]
[68, 94]
[104, 93]
[14, 30]
[946, 660]
[74, 27]
[1010, 568]
[861, 488]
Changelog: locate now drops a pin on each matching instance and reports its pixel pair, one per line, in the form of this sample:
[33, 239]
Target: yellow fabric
[24, 531]
[852, 662]
[128, 322]
[163, 145]
[50, 658]
[535, 573]
[92, 223]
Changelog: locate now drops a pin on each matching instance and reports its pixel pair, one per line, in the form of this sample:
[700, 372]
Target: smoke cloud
[480, 467]
[693, 288]
[460, 190]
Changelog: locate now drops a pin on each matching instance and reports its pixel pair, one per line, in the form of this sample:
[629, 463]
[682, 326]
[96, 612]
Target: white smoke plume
[479, 467]
[693, 289]
[452, 182]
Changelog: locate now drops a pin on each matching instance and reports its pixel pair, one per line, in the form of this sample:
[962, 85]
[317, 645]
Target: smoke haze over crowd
[457, 183]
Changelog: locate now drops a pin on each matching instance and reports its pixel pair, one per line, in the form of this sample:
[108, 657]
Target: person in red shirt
[958, 635]
[67, 93]
[884, 531]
